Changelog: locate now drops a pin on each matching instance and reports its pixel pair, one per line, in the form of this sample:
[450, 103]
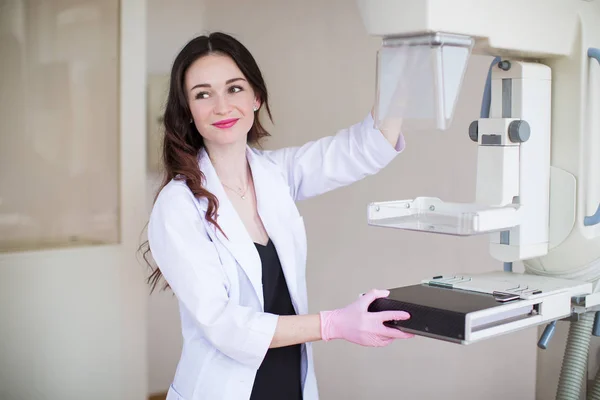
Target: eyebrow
[206, 85]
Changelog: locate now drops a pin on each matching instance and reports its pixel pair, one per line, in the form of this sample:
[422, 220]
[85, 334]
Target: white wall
[72, 317]
[170, 25]
[319, 66]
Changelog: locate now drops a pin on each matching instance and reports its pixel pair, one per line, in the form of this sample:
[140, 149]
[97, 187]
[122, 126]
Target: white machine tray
[431, 214]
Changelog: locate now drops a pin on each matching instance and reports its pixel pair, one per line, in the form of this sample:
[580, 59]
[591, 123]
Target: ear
[257, 104]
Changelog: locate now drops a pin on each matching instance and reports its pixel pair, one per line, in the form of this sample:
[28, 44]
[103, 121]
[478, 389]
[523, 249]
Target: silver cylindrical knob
[519, 131]
[474, 131]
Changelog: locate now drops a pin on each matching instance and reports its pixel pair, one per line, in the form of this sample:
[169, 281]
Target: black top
[279, 375]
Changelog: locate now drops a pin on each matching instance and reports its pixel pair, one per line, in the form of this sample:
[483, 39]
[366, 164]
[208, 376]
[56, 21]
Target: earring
[255, 108]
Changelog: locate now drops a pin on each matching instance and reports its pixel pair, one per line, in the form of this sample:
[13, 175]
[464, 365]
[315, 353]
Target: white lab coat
[217, 280]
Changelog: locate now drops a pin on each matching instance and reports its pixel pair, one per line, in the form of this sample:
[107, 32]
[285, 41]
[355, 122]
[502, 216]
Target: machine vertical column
[521, 103]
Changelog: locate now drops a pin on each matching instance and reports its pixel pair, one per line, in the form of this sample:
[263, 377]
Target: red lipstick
[226, 123]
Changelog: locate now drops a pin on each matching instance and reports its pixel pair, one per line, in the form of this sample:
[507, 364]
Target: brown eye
[235, 89]
[202, 95]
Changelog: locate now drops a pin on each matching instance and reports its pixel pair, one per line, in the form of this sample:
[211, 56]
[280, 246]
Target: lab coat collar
[269, 197]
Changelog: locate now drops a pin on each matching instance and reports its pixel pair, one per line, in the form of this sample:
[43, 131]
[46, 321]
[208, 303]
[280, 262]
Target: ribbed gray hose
[574, 367]
[594, 394]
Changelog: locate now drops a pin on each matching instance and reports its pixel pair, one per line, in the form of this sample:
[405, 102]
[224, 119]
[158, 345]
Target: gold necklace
[241, 194]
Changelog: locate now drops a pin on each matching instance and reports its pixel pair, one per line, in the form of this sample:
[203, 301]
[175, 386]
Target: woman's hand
[390, 128]
[356, 324]
[353, 323]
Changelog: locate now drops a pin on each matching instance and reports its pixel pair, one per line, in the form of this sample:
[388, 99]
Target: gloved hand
[356, 324]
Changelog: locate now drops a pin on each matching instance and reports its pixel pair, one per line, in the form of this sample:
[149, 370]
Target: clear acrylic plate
[429, 214]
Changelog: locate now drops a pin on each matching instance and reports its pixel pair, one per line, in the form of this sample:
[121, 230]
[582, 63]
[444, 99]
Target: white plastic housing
[532, 28]
[497, 165]
[524, 92]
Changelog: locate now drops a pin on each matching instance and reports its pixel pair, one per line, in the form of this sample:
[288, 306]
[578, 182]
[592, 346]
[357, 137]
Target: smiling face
[221, 100]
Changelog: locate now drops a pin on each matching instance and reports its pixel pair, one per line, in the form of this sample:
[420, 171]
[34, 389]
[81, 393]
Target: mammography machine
[538, 164]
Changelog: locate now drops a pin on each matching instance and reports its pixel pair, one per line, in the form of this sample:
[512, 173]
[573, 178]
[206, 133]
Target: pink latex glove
[356, 324]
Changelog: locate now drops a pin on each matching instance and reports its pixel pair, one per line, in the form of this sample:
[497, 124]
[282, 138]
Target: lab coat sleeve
[189, 262]
[335, 161]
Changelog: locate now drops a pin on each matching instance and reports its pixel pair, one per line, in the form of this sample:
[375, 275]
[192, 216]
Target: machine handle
[547, 335]
[486, 102]
[594, 149]
[596, 327]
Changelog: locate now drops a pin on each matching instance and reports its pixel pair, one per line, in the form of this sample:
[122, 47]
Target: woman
[227, 237]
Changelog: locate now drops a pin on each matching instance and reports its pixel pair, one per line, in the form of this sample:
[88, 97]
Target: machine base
[466, 308]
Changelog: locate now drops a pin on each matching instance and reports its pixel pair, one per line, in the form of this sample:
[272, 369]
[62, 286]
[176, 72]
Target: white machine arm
[513, 171]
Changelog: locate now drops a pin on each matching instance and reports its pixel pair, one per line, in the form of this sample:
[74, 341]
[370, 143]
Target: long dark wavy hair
[182, 141]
